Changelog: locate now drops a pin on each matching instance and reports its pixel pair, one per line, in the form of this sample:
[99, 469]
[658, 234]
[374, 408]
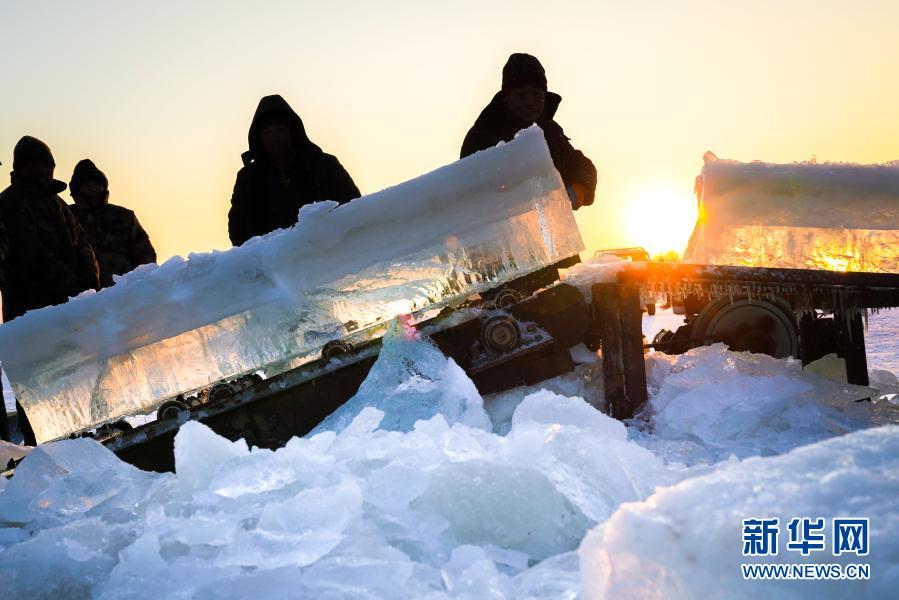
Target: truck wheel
[170, 409]
[758, 326]
[501, 334]
[335, 348]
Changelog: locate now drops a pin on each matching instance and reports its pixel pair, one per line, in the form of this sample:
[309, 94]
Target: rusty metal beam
[617, 314]
[853, 342]
[804, 288]
[663, 270]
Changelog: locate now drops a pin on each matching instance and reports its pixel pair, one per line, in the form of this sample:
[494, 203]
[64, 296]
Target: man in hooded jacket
[4, 423]
[48, 257]
[523, 101]
[118, 240]
[282, 172]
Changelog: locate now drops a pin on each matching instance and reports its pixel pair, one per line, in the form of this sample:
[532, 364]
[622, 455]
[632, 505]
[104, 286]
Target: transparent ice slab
[858, 250]
[272, 303]
[830, 216]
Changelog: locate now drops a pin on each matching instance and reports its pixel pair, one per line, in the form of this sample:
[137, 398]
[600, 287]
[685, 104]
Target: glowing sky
[160, 95]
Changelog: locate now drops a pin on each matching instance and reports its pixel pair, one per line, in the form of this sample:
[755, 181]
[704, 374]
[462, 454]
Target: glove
[577, 193]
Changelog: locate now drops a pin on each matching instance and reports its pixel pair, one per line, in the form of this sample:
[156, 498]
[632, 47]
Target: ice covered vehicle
[799, 221]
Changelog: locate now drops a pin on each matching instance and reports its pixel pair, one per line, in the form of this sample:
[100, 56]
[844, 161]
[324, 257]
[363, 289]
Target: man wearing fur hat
[48, 256]
[523, 101]
[115, 234]
[283, 170]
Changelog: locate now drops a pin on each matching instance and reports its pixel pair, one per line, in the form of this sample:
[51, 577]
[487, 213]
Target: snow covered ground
[548, 498]
[882, 341]
[9, 399]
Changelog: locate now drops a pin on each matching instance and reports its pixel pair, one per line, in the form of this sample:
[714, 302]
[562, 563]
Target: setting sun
[660, 217]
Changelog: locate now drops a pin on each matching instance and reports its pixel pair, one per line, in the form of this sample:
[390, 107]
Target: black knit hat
[28, 150]
[86, 171]
[523, 69]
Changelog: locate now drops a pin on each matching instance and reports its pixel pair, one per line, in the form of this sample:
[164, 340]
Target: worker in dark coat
[118, 240]
[4, 422]
[282, 171]
[523, 101]
[49, 258]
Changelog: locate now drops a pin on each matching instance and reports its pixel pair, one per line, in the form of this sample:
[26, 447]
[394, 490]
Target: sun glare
[660, 217]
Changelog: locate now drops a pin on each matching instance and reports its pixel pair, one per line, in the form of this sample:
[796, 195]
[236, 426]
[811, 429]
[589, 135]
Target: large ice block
[830, 216]
[272, 303]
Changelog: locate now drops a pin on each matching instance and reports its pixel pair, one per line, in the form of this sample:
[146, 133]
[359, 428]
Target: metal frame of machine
[515, 338]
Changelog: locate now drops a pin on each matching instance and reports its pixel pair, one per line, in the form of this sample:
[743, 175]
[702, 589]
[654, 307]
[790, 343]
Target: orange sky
[160, 95]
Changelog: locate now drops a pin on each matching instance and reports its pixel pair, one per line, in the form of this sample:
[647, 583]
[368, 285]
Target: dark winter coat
[4, 252]
[496, 124]
[266, 198]
[118, 240]
[49, 258]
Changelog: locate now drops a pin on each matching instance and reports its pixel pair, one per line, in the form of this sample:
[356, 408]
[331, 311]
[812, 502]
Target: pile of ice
[685, 540]
[710, 403]
[411, 388]
[831, 216]
[11, 452]
[274, 302]
[443, 505]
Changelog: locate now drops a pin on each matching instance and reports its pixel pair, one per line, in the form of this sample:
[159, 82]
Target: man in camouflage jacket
[49, 257]
[115, 234]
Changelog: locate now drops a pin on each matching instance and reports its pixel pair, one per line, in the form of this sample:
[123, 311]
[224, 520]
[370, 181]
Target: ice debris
[434, 509]
[420, 381]
[685, 541]
[710, 403]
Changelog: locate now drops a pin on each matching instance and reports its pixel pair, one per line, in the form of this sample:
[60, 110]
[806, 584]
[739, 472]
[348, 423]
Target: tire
[757, 326]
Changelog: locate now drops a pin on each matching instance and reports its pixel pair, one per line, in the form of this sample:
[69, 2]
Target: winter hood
[268, 107]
